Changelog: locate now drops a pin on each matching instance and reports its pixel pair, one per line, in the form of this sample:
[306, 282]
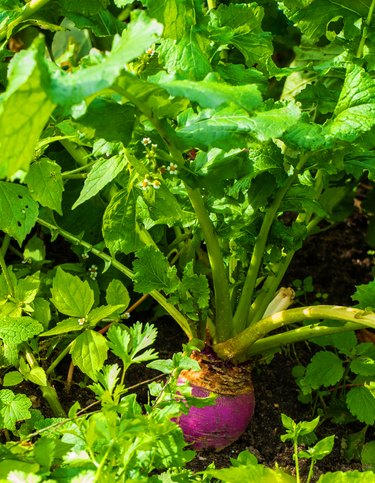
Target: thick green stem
[29, 9]
[297, 335]
[241, 315]
[3, 264]
[238, 348]
[223, 316]
[78, 153]
[50, 395]
[278, 270]
[170, 309]
[365, 30]
[223, 311]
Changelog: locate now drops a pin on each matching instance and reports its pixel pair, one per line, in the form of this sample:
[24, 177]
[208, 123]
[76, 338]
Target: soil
[337, 259]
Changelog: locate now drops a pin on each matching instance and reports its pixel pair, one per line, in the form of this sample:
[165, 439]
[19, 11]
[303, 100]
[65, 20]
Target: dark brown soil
[337, 259]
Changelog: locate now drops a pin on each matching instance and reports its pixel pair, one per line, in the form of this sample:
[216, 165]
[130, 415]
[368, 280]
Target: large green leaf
[70, 295]
[13, 408]
[110, 120]
[361, 403]
[14, 331]
[355, 110]
[189, 57]
[153, 272]
[121, 231]
[18, 211]
[241, 25]
[176, 16]
[68, 89]
[314, 16]
[24, 108]
[102, 173]
[325, 369]
[45, 183]
[208, 93]
[226, 127]
[365, 295]
[89, 351]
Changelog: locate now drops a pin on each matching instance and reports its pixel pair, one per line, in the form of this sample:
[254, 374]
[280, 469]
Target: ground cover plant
[179, 151]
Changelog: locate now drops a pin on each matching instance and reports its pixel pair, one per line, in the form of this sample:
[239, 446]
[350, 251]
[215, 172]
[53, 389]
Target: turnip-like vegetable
[221, 424]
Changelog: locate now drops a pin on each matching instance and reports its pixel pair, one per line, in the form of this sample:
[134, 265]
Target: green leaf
[258, 473]
[188, 58]
[121, 231]
[295, 430]
[102, 173]
[142, 336]
[89, 351]
[208, 93]
[70, 295]
[363, 366]
[320, 450]
[128, 343]
[14, 331]
[355, 110]
[226, 127]
[241, 26]
[119, 341]
[12, 378]
[64, 327]
[21, 210]
[307, 135]
[102, 23]
[153, 272]
[176, 16]
[365, 295]
[13, 408]
[368, 456]
[27, 288]
[223, 128]
[45, 183]
[355, 476]
[73, 88]
[99, 313]
[110, 120]
[361, 403]
[117, 293]
[196, 286]
[325, 369]
[37, 376]
[24, 108]
[273, 123]
[313, 17]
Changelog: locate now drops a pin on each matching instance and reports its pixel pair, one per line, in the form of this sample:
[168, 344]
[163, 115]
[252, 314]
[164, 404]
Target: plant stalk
[78, 153]
[3, 265]
[170, 309]
[238, 348]
[241, 314]
[223, 316]
[365, 30]
[295, 457]
[307, 332]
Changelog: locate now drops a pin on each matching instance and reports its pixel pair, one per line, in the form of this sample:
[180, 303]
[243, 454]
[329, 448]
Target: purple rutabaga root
[219, 425]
